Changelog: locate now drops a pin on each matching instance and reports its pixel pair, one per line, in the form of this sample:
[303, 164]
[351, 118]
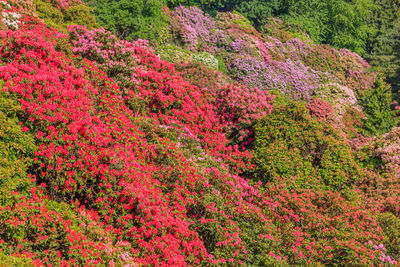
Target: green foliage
[51, 15]
[258, 10]
[391, 228]
[385, 53]
[302, 151]
[380, 117]
[58, 19]
[12, 261]
[80, 15]
[16, 147]
[340, 23]
[312, 16]
[206, 59]
[174, 54]
[221, 64]
[132, 19]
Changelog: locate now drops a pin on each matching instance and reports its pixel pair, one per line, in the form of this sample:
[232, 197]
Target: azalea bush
[381, 155]
[240, 108]
[319, 108]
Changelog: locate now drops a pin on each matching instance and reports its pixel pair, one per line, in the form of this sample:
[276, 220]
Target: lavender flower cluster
[193, 25]
[383, 257]
[268, 63]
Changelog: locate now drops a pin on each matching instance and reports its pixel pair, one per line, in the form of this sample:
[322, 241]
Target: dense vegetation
[172, 137]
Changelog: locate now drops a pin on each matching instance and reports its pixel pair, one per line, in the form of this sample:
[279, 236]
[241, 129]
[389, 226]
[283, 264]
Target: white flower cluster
[5, 5]
[10, 19]
[206, 59]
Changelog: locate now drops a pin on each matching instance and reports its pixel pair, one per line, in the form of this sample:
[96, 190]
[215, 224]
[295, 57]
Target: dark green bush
[380, 117]
[391, 228]
[302, 151]
[12, 261]
[59, 19]
[16, 148]
[131, 19]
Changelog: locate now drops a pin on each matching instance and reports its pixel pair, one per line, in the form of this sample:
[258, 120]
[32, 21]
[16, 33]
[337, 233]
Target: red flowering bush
[51, 233]
[85, 140]
[240, 108]
[319, 108]
[324, 227]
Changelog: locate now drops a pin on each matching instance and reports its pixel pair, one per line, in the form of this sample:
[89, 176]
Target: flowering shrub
[240, 108]
[389, 150]
[25, 7]
[9, 18]
[390, 225]
[293, 79]
[117, 58]
[340, 97]
[192, 25]
[206, 59]
[319, 108]
[49, 232]
[382, 157]
[348, 67]
[251, 71]
[324, 227]
[207, 80]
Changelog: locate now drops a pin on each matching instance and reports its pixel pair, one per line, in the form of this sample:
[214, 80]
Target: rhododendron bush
[111, 156]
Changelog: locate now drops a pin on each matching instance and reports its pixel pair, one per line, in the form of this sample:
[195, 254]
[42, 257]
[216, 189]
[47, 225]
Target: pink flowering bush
[381, 155]
[240, 108]
[193, 26]
[63, 4]
[340, 97]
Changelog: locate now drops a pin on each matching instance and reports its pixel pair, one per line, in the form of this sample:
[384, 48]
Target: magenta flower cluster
[239, 108]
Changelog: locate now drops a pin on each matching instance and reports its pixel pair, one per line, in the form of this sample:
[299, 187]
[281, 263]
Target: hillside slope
[246, 148]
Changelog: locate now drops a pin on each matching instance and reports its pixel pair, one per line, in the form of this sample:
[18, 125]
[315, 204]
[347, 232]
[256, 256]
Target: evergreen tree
[380, 117]
[384, 47]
